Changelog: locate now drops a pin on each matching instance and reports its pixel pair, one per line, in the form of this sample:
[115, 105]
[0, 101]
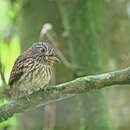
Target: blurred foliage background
[93, 35]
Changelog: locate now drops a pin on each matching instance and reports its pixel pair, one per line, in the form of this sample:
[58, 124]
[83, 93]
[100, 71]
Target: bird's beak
[53, 58]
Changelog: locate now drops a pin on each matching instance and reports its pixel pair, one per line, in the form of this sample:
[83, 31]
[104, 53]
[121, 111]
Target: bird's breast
[41, 77]
[35, 79]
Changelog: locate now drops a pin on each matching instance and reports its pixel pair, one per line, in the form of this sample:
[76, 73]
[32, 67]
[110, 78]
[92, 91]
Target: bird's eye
[42, 50]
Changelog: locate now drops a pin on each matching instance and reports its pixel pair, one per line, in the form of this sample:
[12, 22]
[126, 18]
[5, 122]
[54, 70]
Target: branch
[65, 90]
[2, 75]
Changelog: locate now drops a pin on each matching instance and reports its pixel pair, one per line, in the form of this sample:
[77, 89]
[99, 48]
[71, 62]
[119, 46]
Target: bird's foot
[42, 89]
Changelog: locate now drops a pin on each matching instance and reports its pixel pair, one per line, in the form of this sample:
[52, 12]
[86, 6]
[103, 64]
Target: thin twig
[47, 31]
[4, 91]
[2, 75]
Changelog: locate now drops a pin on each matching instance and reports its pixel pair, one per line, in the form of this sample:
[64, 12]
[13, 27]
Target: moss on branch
[65, 90]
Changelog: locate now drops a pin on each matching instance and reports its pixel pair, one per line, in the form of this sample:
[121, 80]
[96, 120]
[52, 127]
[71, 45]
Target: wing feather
[16, 72]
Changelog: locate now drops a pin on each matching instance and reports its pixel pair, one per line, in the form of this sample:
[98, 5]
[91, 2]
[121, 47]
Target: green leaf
[14, 51]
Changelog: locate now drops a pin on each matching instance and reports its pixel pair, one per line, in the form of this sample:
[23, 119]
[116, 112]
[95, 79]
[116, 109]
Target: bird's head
[44, 53]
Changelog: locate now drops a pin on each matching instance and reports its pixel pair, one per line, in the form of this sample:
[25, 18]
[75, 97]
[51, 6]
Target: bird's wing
[16, 71]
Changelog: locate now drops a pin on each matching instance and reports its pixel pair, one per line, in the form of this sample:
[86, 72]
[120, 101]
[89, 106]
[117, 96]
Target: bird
[32, 70]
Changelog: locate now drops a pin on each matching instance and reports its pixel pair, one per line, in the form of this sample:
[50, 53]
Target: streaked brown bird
[32, 70]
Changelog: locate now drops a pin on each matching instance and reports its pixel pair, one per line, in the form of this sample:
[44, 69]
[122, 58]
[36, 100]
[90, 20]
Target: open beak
[53, 58]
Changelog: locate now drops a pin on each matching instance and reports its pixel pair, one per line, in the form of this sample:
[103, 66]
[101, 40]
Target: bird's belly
[35, 80]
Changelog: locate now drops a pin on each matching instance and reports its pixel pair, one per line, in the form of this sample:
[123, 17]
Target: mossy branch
[65, 90]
